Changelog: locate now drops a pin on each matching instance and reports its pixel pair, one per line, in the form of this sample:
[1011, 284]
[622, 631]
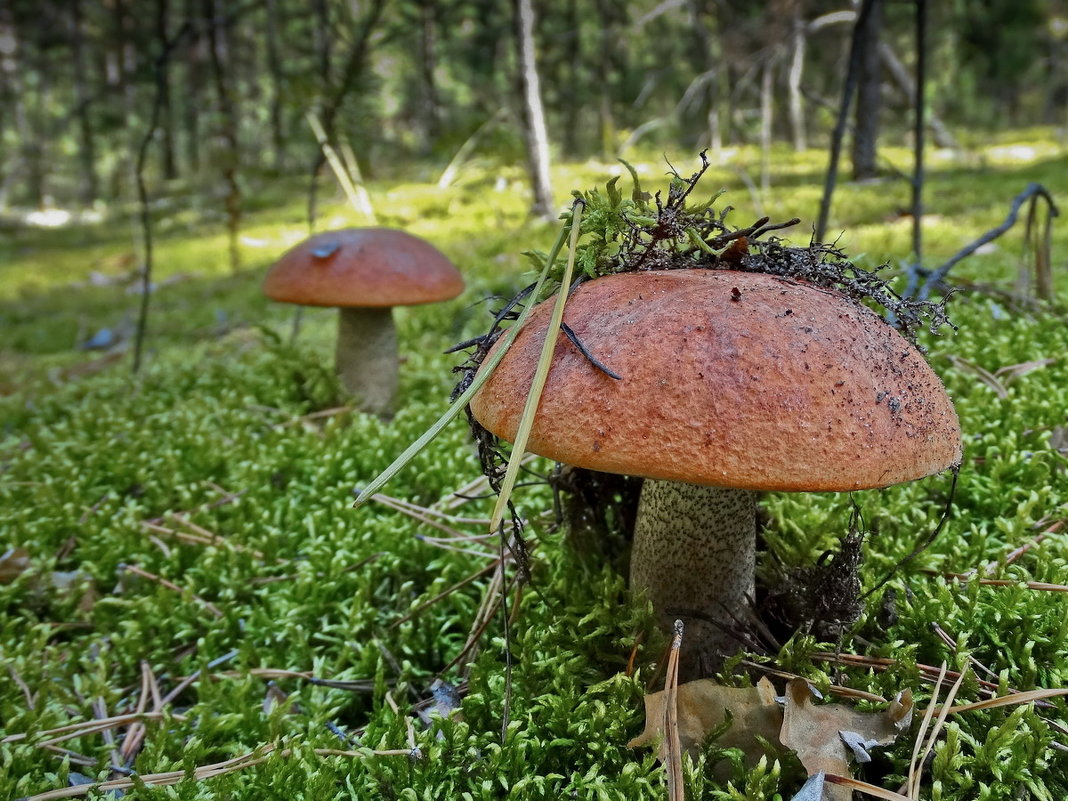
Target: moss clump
[649, 232]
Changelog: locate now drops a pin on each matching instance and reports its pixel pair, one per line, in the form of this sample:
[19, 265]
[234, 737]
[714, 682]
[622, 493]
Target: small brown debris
[13, 563]
[735, 252]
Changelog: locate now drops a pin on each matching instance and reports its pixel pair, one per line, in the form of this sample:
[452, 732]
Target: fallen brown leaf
[1058, 440]
[68, 582]
[704, 705]
[16, 561]
[13, 563]
[275, 698]
[826, 737]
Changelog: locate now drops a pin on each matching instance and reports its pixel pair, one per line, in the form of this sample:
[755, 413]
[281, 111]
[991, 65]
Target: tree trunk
[13, 63]
[82, 99]
[35, 151]
[217, 51]
[1055, 81]
[607, 76]
[918, 129]
[489, 41]
[534, 130]
[129, 64]
[900, 75]
[726, 75]
[324, 48]
[274, 69]
[709, 63]
[797, 66]
[838, 134]
[117, 79]
[11, 76]
[866, 128]
[194, 78]
[324, 44]
[766, 119]
[336, 95]
[729, 122]
[166, 119]
[427, 65]
[573, 109]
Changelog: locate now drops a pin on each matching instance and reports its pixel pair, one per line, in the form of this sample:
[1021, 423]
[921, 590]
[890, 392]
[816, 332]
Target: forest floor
[187, 593]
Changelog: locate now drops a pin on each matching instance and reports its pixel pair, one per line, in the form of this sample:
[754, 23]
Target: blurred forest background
[197, 521]
[227, 85]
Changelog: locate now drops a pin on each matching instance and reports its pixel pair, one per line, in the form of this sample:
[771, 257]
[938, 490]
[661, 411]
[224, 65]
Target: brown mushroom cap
[368, 267]
[729, 379]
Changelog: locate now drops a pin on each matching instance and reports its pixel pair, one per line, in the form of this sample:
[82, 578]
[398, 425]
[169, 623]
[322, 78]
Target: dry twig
[72, 730]
[922, 749]
[673, 756]
[170, 585]
[242, 762]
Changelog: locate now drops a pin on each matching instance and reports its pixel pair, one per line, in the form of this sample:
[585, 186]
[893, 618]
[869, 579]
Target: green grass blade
[351, 185]
[458, 405]
[540, 375]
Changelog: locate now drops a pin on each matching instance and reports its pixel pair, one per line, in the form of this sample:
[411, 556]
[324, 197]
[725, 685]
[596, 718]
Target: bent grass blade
[352, 186]
[541, 373]
[461, 402]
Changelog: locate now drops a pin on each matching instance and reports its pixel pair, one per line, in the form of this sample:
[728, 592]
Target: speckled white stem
[367, 357]
[694, 557]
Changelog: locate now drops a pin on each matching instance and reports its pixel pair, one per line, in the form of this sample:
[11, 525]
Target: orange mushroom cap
[366, 267]
[729, 379]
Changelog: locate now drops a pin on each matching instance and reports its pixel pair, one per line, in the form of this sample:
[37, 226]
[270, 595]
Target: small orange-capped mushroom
[364, 272]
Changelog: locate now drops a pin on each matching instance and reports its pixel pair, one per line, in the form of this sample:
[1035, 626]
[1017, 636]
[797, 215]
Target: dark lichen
[823, 598]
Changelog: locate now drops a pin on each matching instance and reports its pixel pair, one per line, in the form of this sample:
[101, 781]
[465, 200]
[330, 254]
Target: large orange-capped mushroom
[731, 383]
[364, 272]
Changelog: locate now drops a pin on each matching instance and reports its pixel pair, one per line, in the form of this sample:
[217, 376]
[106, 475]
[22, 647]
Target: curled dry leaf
[69, 582]
[704, 705]
[1058, 440]
[13, 563]
[818, 733]
[16, 561]
[860, 746]
[275, 698]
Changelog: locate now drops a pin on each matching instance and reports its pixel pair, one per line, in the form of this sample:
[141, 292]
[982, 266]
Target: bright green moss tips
[223, 431]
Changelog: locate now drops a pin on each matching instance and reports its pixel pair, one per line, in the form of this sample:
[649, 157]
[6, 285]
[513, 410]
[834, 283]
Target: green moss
[304, 583]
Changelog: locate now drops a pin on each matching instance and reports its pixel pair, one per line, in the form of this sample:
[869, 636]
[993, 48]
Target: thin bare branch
[931, 279]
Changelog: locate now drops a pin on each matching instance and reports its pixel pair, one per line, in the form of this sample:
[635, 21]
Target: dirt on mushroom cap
[730, 379]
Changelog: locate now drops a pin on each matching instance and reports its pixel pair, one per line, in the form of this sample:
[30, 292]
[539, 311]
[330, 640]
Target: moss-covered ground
[196, 519]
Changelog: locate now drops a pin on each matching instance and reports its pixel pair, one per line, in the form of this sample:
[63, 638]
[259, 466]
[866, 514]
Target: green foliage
[305, 583]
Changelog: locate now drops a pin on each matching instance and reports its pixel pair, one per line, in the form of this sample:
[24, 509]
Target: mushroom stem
[693, 558]
[366, 357]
